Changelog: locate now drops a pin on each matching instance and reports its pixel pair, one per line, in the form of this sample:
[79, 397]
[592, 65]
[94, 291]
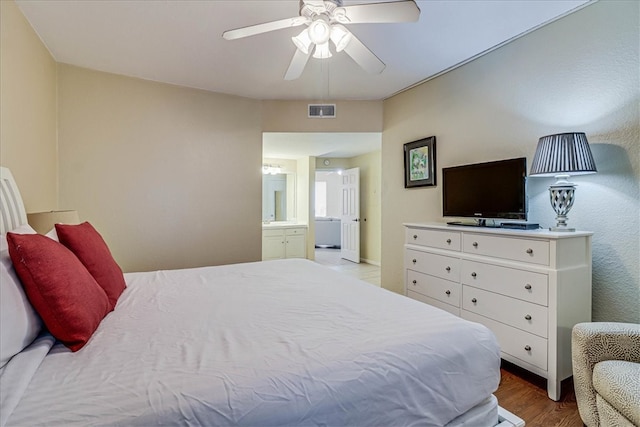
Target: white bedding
[284, 342]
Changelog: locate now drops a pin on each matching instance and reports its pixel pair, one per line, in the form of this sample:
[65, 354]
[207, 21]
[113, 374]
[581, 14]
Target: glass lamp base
[562, 195]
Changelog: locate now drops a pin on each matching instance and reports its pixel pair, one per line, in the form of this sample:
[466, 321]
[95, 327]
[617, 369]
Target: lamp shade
[563, 154]
[320, 30]
[340, 37]
[302, 41]
[322, 51]
[43, 222]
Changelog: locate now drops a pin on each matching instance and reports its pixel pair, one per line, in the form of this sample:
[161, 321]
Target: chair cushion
[608, 416]
[618, 382]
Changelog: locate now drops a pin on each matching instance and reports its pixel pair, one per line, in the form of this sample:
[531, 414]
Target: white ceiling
[180, 42]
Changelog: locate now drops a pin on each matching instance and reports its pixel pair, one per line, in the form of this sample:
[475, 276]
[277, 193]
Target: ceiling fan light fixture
[320, 30]
[340, 37]
[302, 41]
[322, 51]
[324, 19]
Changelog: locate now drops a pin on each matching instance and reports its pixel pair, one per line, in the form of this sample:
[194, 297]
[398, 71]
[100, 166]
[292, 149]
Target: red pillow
[87, 244]
[62, 291]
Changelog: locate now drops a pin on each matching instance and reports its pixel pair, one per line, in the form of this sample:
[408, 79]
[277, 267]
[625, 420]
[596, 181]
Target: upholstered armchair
[606, 373]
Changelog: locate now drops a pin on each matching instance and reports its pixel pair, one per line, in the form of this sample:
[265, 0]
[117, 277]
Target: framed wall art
[420, 163]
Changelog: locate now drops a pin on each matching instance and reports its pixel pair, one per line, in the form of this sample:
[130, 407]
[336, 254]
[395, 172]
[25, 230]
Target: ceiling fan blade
[363, 56]
[389, 12]
[296, 67]
[252, 30]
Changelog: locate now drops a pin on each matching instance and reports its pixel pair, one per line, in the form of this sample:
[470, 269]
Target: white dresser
[528, 287]
[284, 241]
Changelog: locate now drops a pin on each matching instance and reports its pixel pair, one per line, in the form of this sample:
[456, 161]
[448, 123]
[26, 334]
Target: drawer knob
[448, 268]
[448, 292]
[475, 244]
[448, 241]
[527, 317]
[414, 282]
[529, 251]
[473, 274]
[415, 260]
[527, 287]
[415, 236]
[473, 300]
[527, 348]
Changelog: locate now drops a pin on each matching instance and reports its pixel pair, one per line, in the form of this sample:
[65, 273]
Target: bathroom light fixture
[562, 155]
[271, 169]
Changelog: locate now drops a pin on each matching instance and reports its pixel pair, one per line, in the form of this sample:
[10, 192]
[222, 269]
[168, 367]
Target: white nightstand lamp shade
[43, 222]
[562, 155]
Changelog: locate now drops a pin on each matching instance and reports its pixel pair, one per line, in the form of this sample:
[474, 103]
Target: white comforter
[263, 344]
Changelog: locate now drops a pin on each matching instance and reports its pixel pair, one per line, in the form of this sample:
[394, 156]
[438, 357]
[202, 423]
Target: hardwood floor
[520, 392]
[525, 394]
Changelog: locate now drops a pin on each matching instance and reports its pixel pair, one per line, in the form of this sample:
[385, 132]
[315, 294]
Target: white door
[350, 217]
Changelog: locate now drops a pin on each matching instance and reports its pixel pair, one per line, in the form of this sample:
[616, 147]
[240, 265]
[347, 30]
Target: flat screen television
[491, 190]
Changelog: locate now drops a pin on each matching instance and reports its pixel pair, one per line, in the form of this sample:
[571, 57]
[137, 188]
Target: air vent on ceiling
[322, 111]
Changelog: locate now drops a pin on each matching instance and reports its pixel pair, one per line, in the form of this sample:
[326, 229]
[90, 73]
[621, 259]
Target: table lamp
[562, 155]
[43, 222]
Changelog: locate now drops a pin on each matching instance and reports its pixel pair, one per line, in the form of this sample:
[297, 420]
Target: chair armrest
[595, 342]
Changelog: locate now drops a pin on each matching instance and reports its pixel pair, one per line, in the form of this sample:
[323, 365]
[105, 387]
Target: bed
[272, 343]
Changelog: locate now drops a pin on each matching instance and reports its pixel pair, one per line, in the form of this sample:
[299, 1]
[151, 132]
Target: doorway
[331, 152]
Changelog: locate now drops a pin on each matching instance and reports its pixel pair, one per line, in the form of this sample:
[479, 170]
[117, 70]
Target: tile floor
[331, 258]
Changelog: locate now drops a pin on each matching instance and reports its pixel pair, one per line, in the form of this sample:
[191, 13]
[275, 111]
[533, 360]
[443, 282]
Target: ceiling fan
[325, 20]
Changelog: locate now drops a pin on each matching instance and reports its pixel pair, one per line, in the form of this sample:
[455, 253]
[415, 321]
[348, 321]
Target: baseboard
[368, 261]
[507, 419]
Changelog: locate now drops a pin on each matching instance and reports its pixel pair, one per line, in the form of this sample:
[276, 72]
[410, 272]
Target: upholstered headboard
[12, 212]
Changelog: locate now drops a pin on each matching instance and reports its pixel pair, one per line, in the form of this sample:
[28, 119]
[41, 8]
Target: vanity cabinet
[528, 287]
[284, 242]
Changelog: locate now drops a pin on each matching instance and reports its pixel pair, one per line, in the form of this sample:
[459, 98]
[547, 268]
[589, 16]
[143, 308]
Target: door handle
[356, 220]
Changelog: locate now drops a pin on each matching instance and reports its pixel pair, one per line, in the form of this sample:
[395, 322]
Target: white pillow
[19, 322]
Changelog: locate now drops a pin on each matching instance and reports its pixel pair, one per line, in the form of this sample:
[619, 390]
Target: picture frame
[420, 163]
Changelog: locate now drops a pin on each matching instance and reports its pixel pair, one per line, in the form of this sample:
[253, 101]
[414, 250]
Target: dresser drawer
[434, 287]
[524, 250]
[434, 302]
[522, 345]
[435, 265]
[440, 239]
[521, 284]
[520, 314]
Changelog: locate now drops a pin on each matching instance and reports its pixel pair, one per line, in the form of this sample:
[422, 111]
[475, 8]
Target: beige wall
[27, 110]
[577, 74]
[370, 207]
[351, 116]
[170, 176]
[305, 199]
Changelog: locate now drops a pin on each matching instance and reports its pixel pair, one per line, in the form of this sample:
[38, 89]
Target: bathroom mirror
[278, 197]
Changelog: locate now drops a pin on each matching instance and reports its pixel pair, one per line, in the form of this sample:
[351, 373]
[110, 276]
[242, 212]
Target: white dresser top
[541, 233]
